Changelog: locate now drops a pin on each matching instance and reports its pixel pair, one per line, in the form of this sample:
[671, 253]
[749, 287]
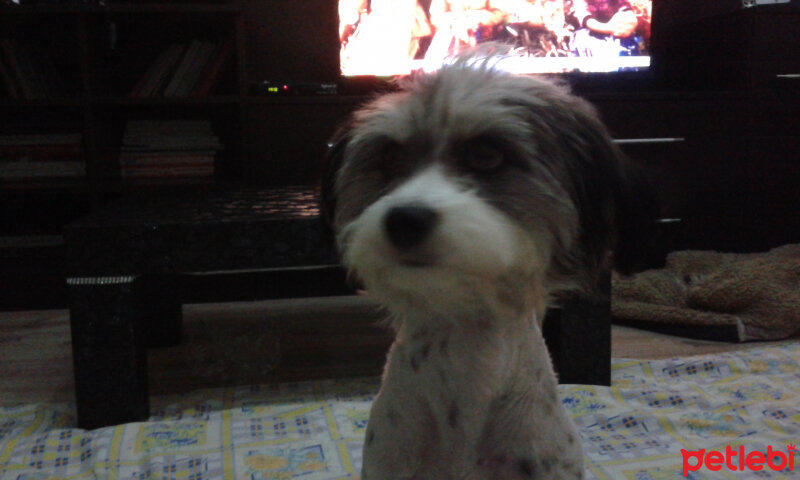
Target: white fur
[443, 419]
[463, 344]
[474, 243]
[469, 391]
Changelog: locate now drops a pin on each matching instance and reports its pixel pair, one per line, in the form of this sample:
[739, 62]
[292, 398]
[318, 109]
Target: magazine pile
[26, 156]
[168, 149]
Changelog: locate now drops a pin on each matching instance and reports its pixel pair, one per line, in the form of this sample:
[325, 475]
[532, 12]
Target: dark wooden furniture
[132, 265]
[80, 63]
[724, 96]
[747, 148]
[99, 53]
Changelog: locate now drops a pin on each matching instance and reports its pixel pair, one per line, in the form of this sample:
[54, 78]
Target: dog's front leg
[400, 438]
[530, 436]
[403, 438]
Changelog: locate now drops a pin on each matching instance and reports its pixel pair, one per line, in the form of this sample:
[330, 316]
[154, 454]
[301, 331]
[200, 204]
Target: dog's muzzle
[408, 226]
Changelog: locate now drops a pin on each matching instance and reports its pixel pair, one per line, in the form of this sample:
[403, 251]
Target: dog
[467, 202]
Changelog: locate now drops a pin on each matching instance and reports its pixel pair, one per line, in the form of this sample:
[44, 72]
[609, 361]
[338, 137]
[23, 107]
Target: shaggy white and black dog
[464, 203]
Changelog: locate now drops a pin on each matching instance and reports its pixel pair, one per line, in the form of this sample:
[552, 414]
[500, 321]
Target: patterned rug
[742, 404]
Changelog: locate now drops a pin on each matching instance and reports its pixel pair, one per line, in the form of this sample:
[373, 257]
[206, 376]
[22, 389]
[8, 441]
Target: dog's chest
[469, 404]
[455, 378]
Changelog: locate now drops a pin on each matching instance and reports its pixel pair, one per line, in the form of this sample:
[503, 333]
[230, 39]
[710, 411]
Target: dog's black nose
[408, 226]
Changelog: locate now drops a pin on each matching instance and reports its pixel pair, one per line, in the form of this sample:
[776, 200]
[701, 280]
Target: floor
[248, 343]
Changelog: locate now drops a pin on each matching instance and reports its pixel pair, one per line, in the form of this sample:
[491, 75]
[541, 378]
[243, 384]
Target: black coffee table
[130, 267]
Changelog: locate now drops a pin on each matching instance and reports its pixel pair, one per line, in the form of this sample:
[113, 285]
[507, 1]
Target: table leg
[578, 336]
[109, 351]
[159, 309]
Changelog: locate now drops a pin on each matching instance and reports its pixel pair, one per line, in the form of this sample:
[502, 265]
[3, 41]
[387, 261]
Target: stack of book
[41, 155]
[26, 75]
[185, 70]
[168, 149]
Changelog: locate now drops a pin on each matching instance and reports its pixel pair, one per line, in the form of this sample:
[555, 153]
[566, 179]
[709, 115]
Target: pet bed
[314, 430]
[713, 295]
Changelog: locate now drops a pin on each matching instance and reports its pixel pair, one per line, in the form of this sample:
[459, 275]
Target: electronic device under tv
[386, 38]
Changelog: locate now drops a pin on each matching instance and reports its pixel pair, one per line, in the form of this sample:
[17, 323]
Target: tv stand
[721, 160]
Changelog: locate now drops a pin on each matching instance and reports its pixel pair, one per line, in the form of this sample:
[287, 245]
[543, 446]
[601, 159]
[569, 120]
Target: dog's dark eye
[482, 157]
[391, 163]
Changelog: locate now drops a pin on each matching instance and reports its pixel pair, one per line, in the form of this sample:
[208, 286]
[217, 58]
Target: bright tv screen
[396, 37]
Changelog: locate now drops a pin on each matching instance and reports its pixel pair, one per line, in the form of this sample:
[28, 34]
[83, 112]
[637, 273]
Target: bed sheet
[742, 403]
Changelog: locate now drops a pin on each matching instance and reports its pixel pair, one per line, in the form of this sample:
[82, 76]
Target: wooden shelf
[164, 8]
[31, 241]
[145, 185]
[164, 101]
[115, 185]
[307, 99]
[95, 53]
[113, 101]
[121, 8]
[42, 9]
[45, 184]
[67, 102]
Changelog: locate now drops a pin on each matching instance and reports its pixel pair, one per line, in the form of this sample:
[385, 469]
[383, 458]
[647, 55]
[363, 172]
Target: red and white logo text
[738, 460]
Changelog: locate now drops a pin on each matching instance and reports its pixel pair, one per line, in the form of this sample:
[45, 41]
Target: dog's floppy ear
[334, 157]
[617, 209]
[636, 213]
[631, 214]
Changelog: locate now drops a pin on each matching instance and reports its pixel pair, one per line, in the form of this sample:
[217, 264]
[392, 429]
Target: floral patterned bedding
[653, 423]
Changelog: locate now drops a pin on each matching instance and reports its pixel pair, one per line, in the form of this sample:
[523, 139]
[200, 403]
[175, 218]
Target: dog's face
[471, 183]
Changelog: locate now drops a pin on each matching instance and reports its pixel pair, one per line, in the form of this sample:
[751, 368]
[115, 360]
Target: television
[386, 38]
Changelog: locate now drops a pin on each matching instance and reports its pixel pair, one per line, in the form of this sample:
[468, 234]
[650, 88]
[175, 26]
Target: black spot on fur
[392, 416]
[415, 363]
[426, 349]
[419, 356]
[569, 465]
[571, 439]
[420, 334]
[502, 399]
[548, 406]
[452, 415]
[527, 467]
[444, 346]
[500, 459]
[370, 436]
